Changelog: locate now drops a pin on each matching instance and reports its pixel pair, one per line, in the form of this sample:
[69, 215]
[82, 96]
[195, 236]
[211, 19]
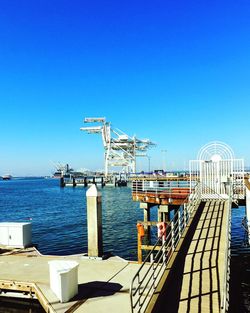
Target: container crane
[120, 150]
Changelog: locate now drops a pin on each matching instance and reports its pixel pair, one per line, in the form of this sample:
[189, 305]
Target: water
[59, 226]
[239, 291]
[58, 216]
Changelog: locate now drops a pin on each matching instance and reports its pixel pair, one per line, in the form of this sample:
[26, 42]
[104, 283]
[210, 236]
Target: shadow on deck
[193, 284]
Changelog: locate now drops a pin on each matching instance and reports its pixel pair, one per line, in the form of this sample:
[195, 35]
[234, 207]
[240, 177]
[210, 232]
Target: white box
[16, 234]
[64, 279]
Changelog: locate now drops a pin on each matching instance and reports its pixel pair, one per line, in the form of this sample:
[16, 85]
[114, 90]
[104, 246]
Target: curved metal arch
[215, 150]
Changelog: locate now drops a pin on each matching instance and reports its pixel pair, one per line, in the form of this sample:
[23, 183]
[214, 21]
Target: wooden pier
[158, 191]
[190, 262]
[195, 280]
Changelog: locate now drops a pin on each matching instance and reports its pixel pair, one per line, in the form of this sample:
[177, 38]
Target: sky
[176, 72]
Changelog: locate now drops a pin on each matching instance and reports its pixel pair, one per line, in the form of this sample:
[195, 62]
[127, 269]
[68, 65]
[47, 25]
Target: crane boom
[120, 149]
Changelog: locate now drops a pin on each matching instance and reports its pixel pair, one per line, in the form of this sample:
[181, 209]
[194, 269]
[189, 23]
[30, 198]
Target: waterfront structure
[61, 170]
[187, 270]
[92, 282]
[120, 150]
[217, 168]
[102, 284]
[190, 262]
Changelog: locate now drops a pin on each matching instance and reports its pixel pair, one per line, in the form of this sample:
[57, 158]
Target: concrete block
[64, 279]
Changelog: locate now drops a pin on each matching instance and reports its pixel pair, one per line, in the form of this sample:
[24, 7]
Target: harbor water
[59, 227]
[58, 216]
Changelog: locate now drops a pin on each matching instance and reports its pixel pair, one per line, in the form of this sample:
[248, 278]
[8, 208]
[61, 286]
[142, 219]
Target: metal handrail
[157, 187]
[211, 195]
[224, 286]
[147, 278]
[171, 188]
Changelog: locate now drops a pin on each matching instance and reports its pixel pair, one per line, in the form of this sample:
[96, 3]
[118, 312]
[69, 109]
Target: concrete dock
[102, 284]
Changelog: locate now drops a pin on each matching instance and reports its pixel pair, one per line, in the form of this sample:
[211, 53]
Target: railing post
[163, 250]
[179, 224]
[151, 258]
[154, 276]
[185, 215]
[172, 235]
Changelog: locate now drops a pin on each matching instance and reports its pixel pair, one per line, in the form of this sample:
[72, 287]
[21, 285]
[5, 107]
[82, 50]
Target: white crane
[120, 150]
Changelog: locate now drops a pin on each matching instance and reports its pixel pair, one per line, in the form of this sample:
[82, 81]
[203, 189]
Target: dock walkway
[197, 279]
[103, 284]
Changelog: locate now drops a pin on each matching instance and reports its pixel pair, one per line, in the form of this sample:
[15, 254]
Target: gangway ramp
[196, 281]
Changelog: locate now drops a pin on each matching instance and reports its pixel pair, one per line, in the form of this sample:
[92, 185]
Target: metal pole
[139, 250]
[164, 159]
[149, 164]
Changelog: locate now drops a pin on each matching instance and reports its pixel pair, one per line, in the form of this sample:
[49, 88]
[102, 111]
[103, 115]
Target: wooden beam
[8, 285]
[27, 287]
[149, 247]
[247, 183]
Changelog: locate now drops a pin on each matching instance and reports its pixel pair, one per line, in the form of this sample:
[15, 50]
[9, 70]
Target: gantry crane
[120, 150]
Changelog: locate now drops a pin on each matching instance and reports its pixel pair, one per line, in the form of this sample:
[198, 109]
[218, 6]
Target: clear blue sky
[177, 72]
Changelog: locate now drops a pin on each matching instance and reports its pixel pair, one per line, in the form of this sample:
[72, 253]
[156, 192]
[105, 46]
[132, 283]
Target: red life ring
[162, 227]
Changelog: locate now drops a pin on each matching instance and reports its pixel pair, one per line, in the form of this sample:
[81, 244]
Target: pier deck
[103, 284]
[197, 279]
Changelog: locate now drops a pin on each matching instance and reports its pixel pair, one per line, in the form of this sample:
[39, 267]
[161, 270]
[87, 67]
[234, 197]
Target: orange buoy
[140, 229]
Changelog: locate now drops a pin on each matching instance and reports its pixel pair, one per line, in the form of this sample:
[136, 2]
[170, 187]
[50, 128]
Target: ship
[6, 177]
[62, 170]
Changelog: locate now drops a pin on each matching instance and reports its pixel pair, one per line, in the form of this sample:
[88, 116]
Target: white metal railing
[149, 274]
[216, 175]
[167, 188]
[224, 289]
[177, 189]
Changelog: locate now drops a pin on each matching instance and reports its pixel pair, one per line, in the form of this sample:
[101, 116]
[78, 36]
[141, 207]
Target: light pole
[148, 164]
[163, 159]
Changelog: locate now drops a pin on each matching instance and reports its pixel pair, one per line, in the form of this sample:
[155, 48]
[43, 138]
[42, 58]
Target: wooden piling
[62, 182]
[140, 234]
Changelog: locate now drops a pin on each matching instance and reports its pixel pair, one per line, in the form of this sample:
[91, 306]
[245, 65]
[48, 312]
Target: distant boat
[57, 174]
[6, 177]
[63, 171]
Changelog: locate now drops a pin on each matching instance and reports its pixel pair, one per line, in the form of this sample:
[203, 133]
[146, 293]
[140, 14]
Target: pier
[73, 181]
[102, 284]
[201, 268]
[115, 180]
[190, 263]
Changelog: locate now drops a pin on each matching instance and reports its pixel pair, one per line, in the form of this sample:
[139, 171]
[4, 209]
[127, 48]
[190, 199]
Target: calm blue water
[59, 216]
[59, 225]
[239, 291]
